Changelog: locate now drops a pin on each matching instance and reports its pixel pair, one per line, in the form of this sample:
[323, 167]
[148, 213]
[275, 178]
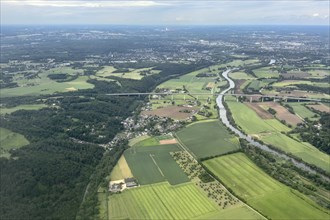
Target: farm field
[21, 107]
[10, 140]
[153, 164]
[266, 195]
[256, 85]
[266, 72]
[204, 139]
[302, 111]
[282, 113]
[320, 107]
[298, 93]
[44, 85]
[175, 112]
[121, 170]
[295, 82]
[240, 75]
[160, 201]
[269, 131]
[132, 74]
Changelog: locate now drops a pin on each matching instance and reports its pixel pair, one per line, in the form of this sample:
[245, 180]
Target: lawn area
[10, 140]
[269, 131]
[153, 164]
[208, 138]
[266, 72]
[44, 85]
[160, 201]
[21, 107]
[262, 192]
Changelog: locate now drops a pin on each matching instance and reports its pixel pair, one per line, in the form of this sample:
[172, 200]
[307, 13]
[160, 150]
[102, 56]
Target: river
[224, 119]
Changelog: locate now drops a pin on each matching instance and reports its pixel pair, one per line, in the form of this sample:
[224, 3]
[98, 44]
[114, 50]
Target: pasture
[256, 85]
[262, 192]
[43, 85]
[266, 72]
[269, 131]
[160, 201]
[287, 83]
[154, 164]
[240, 75]
[136, 74]
[302, 111]
[10, 140]
[21, 107]
[210, 138]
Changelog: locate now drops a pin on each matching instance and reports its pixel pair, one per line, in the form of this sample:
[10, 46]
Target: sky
[166, 12]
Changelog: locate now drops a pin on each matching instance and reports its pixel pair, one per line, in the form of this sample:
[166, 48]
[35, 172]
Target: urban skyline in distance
[157, 12]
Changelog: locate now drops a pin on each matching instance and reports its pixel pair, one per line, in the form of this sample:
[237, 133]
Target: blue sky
[150, 12]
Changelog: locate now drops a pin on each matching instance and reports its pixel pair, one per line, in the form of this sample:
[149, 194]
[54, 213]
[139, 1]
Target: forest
[48, 178]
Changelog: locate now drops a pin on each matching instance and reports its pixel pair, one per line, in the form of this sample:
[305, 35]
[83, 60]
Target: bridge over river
[251, 97]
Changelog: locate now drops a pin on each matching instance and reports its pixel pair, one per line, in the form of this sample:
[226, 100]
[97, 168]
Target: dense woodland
[47, 179]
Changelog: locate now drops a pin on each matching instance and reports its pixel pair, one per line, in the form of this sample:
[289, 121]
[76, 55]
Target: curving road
[224, 119]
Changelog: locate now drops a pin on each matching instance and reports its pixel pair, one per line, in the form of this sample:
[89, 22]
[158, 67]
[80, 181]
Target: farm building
[115, 187]
[131, 182]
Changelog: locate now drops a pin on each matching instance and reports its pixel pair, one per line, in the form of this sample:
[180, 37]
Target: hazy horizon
[165, 13]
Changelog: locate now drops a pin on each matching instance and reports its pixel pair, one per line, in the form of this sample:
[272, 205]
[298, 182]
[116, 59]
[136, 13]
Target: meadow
[270, 197]
[266, 72]
[270, 131]
[21, 107]
[160, 201]
[131, 74]
[240, 75]
[258, 84]
[302, 111]
[153, 164]
[295, 82]
[209, 138]
[43, 85]
[10, 140]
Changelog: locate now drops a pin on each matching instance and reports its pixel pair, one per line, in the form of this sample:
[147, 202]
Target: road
[224, 119]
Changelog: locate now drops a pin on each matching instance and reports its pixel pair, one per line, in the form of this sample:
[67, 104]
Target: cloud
[86, 4]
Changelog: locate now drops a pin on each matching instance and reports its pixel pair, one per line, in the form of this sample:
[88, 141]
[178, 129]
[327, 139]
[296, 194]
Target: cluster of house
[120, 185]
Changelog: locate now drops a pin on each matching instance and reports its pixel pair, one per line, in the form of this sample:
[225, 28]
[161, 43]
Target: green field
[266, 72]
[263, 193]
[206, 139]
[269, 131]
[302, 111]
[154, 164]
[295, 82]
[160, 201]
[132, 74]
[21, 107]
[44, 85]
[191, 82]
[258, 84]
[10, 140]
[240, 75]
